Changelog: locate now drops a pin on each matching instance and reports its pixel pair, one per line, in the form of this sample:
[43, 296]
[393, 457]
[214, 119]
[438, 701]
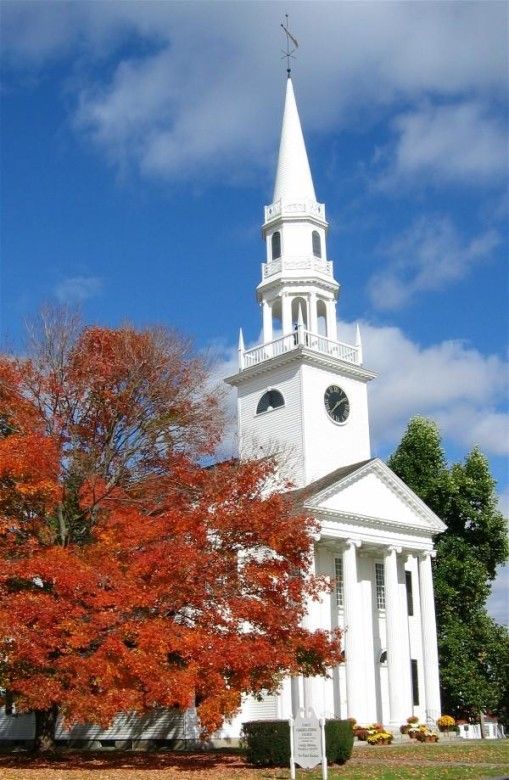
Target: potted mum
[446, 723]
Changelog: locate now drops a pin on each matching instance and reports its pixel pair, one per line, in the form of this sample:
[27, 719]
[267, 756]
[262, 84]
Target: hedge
[267, 742]
[338, 741]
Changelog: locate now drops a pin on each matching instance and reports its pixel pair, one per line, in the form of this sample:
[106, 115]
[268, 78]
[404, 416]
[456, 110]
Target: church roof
[293, 177]
[329, 479]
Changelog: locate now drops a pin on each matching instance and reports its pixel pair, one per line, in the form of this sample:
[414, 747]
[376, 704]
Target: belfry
[302, 395]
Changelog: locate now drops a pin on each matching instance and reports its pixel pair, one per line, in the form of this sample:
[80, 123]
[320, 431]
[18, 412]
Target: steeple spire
[293, 177]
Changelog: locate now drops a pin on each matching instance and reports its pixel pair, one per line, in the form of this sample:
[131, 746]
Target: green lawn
[473, 759]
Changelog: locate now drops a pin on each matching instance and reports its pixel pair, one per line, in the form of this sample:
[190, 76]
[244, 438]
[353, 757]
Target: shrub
[412, 719]
[404, 728]
[361, 733]
[338, 741]
[267, 742]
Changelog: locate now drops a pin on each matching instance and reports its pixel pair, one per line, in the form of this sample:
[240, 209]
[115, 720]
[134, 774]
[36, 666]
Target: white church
[303, 392]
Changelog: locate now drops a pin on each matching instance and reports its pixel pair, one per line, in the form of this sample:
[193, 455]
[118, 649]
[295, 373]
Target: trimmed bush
[338, 741]
[267, 742]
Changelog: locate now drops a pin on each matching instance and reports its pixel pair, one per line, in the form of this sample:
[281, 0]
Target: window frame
[273, 407]
[275, 245]
[409, 593]
[414, 674]
[380, 585]
[316, 244]
[339, 589]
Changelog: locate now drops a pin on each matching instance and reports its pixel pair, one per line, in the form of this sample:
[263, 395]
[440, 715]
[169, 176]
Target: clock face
[336, 404]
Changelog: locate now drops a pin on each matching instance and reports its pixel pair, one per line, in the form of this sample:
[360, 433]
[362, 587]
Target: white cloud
[461, 142]
[427, 256]
[204, 87]
[456, 385]
[76, 289]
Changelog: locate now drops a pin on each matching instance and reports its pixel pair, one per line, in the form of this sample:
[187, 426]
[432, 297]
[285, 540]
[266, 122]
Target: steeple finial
[288, 54]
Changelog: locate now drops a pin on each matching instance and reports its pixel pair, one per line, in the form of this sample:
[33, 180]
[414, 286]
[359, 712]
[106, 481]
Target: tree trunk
[483, 725]
[45, 723]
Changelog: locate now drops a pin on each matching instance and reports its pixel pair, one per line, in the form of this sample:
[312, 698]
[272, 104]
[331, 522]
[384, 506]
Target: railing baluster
[315, 341]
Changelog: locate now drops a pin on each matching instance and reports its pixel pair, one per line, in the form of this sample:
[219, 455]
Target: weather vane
[290, 41]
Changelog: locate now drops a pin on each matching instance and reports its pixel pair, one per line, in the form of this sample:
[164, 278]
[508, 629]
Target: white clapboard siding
[16, 726]
[266, 709]
[279, 430]
[160, 724]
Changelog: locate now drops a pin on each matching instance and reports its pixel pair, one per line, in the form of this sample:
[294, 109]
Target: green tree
[473, 649]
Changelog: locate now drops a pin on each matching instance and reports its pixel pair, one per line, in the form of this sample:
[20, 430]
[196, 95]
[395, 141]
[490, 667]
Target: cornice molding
[369, 521]
[305, 355]
[280, 281]
[302, 216]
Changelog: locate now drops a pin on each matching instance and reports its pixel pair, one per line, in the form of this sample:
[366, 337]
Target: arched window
[272, 399]
[383, 657]
[317, 244]
[276, 245]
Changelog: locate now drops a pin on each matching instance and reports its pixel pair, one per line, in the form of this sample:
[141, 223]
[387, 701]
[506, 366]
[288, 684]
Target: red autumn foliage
[130, 576]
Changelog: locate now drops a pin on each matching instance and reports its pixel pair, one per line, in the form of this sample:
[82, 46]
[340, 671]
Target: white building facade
[302, 394]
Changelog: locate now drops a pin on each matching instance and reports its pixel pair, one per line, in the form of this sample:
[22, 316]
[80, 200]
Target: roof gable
[371, 489]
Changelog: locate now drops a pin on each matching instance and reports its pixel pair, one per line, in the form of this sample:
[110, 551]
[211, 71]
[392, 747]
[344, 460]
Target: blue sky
[139, 143]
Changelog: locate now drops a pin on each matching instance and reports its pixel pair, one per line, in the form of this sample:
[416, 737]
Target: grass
[469, 760]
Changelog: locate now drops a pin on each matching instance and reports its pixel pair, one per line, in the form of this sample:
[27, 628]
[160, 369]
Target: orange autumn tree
[132, 577]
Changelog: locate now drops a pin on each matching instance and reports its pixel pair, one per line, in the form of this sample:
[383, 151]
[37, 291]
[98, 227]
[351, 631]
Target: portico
[378, 561]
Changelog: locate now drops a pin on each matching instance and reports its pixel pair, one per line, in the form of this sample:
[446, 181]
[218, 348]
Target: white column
[332, 328]
[313, 319]
[310, 621]
[295, 694]
[398, 661]
[267, 321]
[354, 657]
[286, 313]
[429, 636]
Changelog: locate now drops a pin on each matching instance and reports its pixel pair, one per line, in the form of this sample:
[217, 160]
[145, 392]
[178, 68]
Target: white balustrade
[304, 262]
[299, 207]
[321, 344]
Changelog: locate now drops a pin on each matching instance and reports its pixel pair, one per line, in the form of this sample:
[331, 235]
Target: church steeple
[293, 177]
[300, 387]
[297, 275]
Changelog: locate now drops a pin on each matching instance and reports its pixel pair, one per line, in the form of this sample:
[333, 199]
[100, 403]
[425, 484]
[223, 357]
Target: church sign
[307, 742]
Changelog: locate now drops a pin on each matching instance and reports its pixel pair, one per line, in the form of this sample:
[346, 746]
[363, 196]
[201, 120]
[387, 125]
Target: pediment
[373, 490]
